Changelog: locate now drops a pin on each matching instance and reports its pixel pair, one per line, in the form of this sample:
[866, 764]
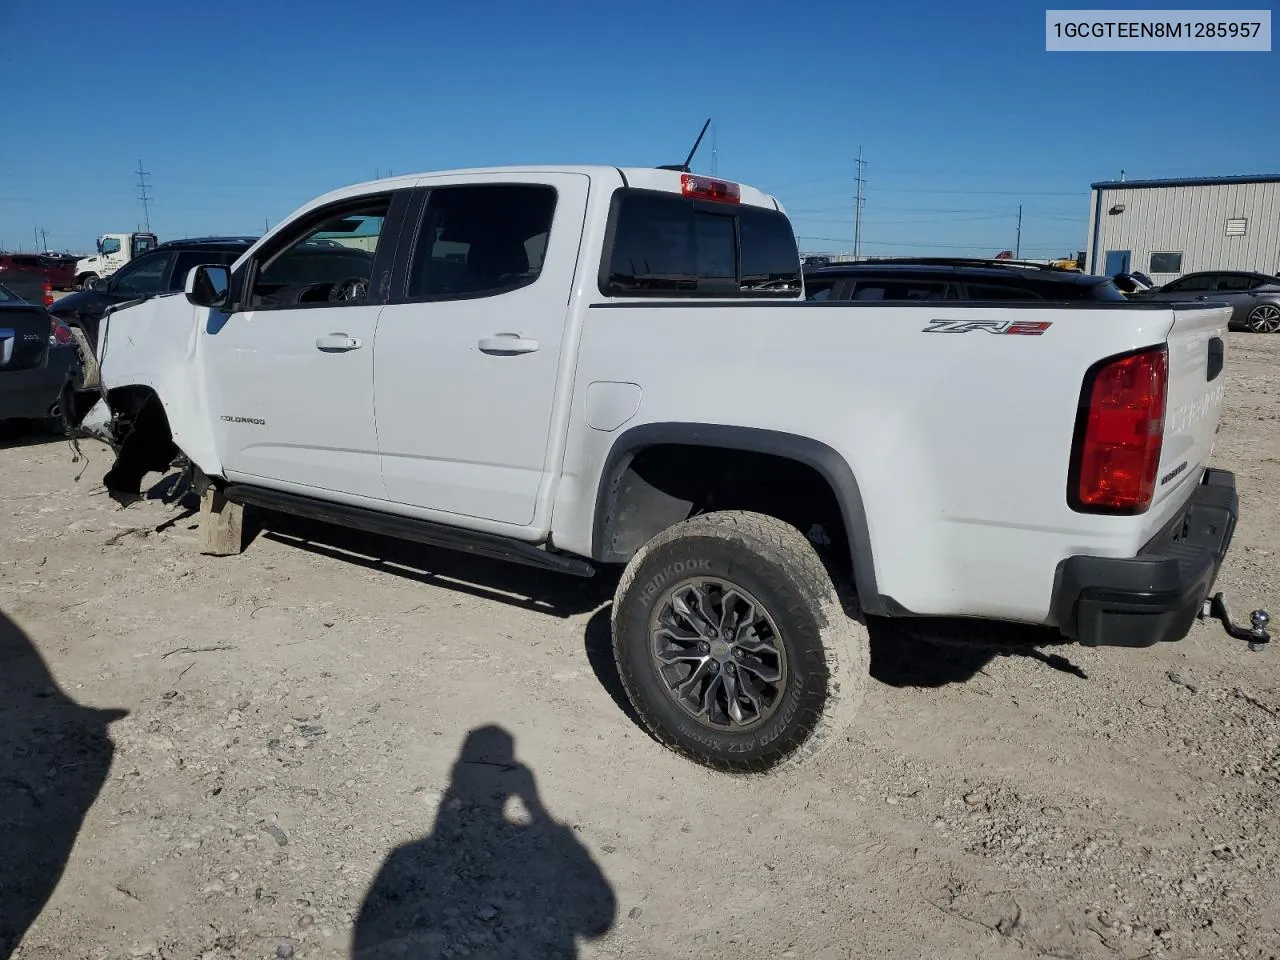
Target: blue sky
[243, 111]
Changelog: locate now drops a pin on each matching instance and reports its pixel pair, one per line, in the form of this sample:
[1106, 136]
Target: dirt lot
[331, 734]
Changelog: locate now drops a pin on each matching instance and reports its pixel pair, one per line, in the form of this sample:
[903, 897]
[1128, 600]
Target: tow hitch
[1255, 634]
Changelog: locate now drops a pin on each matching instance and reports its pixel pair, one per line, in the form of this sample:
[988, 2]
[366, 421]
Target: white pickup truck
[591, 367]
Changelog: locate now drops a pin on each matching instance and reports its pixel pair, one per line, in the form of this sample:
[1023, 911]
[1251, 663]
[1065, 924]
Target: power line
[802, 218]
[144, 196]
[963, 191]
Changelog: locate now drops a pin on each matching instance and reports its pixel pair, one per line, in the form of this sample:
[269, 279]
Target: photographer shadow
[497, 885]
[54, 758]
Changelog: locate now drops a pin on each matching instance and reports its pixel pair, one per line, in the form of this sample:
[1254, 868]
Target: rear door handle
[505, 344]
[338, 343]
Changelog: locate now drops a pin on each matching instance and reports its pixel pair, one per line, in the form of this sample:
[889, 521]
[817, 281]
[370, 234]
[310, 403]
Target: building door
[1117, 262]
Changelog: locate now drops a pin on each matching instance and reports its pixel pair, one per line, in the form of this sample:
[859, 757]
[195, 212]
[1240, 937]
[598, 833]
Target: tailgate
[1197, 377]
[24, 337]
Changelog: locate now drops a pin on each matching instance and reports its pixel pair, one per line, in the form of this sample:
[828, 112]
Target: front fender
[154, 344]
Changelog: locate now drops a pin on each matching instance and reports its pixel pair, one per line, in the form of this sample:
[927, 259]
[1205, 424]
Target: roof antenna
[684, 167]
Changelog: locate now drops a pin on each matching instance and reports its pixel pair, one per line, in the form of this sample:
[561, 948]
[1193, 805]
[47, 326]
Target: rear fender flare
[827, 462]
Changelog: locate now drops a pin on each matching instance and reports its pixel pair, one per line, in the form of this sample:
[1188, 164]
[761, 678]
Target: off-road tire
[827, 651]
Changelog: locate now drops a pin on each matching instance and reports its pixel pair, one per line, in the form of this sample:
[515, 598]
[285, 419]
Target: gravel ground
[292, 752]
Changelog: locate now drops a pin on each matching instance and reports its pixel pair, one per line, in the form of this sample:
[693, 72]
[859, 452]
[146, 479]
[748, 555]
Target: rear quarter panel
[960, 441]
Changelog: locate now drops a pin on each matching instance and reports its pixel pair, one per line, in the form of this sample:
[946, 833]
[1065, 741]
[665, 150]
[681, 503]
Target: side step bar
[409, 528]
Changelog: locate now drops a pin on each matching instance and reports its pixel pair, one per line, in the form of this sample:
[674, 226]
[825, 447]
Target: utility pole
[35, 232]
[1017, 247]
[857, 214]
[144, 196]
[266, 226]
[44, 239]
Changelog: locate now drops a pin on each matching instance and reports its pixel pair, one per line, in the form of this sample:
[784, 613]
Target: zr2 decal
[1021, 328]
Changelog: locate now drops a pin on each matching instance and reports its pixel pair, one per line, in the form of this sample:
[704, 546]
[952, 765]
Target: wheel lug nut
[704, 646]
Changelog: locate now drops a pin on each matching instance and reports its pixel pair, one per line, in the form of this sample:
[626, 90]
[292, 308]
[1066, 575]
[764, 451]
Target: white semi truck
[114, 251]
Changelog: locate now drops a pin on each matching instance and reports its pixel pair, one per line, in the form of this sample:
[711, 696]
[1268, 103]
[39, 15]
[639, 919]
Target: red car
[59, 271]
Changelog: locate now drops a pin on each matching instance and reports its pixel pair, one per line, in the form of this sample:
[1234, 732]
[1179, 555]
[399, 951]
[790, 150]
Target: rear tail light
[60, 333]
[48, 294]
[1119, 433]
[708, 188]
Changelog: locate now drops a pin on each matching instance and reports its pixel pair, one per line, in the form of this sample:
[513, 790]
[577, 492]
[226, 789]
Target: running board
[409, 528]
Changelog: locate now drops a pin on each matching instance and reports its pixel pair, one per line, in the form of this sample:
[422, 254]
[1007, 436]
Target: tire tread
[843, 640]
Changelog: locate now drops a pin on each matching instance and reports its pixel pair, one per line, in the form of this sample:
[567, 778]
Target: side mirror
[208, 285]
[98, 284]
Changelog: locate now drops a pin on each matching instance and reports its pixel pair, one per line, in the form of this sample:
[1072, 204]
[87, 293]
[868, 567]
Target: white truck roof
[646, 178]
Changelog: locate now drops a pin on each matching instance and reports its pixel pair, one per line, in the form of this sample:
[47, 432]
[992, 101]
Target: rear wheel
[1264, 318]
[733, 644]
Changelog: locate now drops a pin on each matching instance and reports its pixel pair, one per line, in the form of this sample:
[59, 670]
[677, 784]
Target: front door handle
[505, 344]
[338, 343]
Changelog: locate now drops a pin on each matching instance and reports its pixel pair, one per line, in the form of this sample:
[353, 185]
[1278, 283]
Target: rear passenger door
[468, 349]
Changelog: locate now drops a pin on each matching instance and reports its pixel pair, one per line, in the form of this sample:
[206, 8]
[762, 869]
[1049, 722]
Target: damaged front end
[144, 351]
[133, 424]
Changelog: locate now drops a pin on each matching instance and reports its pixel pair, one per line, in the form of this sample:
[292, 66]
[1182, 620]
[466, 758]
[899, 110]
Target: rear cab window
[666, 245]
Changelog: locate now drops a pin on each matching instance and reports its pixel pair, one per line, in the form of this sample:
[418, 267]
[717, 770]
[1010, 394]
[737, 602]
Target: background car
[162, 270]
[57, 270]
[1254, 297]
[937, 278]
[39, 363]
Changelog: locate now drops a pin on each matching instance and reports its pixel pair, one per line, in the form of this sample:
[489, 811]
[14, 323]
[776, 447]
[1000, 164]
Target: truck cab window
[327, 262]
[479, 241]
[665, 244]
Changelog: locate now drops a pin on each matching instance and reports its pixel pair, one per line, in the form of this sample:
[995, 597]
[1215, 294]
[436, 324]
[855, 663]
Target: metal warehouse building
[1166, 228]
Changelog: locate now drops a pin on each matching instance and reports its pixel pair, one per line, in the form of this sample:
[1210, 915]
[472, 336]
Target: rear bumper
[32, 393]
[1157, 595]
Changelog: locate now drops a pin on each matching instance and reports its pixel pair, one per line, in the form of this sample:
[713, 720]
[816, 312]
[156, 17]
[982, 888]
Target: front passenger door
[291, 369]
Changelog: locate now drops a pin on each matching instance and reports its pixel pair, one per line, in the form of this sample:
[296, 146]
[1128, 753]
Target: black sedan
[39, 362]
